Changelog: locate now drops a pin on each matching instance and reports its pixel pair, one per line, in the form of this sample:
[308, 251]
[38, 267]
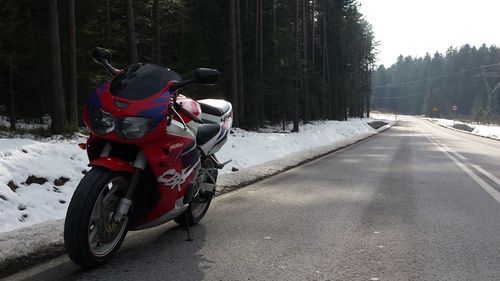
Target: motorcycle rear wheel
[198, 207]
[91, 236]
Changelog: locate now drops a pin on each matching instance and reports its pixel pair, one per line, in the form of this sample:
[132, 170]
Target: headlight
[134, 127]
[101, 121]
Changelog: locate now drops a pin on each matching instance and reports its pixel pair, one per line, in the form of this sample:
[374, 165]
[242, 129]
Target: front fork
[126, 202]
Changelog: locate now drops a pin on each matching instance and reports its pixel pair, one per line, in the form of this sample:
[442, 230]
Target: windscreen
[140, 81]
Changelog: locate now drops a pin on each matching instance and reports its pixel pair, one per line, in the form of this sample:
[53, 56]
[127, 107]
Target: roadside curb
[36, 244]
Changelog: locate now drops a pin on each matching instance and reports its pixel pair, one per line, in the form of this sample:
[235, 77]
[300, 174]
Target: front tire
[91, 236]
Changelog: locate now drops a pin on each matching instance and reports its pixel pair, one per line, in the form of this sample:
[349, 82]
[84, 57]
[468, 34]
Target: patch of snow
[385, 116]
[36, 203]
[489, 131]
[247, 149]
[41, 123]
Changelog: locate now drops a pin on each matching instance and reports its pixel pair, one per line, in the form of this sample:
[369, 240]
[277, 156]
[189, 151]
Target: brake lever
[179, 116]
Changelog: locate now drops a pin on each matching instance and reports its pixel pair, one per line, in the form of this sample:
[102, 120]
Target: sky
[414, 27]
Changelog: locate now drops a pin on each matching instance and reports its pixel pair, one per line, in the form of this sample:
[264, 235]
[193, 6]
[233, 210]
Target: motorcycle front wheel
[91, 236]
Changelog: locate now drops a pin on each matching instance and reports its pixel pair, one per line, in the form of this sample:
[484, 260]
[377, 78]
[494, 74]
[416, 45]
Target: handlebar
[109, 67]
[103, 57]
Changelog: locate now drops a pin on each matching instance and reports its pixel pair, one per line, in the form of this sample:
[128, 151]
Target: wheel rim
[200, 203]
[103, 233]
[198, 207]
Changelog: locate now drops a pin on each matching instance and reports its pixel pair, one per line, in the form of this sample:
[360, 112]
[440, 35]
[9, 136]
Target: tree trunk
[327, 89]
[234, 62]
[261, 43]
[241, 97]
[280, 112]
[257, 22]
[157, 35]
[259, 61]
[12, 97]
[261, 65]
[313, 54]
[305, 70]
[297, 71]
[58, 109]
[368, 98]
[12, 101]
[73, 95]
[108, 19]
[131, 38]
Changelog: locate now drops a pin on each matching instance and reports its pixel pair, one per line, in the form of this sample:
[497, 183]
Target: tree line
[463, 82]
[280, 61]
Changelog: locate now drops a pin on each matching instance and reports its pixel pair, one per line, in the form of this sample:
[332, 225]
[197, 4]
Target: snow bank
[252, 148]
[24, 203]
[489, 131]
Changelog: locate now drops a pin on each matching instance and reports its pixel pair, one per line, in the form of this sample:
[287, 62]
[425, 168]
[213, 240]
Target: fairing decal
[156, 114]
[163, 99]
[190, 156]
[94, 100]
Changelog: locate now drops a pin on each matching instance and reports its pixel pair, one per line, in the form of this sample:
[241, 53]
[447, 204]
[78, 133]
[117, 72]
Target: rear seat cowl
[214, 106]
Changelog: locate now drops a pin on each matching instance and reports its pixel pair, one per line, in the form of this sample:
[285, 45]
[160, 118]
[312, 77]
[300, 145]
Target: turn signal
[82, 146]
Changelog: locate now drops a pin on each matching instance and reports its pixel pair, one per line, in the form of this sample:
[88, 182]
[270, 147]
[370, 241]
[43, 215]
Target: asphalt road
[418, 202]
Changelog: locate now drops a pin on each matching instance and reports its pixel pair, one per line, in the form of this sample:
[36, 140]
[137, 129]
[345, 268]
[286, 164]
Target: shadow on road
[165, 246]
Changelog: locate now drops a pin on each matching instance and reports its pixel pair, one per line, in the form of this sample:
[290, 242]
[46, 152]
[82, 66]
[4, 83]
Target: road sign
[455, 108]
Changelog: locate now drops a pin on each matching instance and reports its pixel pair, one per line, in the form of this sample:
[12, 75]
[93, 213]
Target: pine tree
[73, 95]
[58, 108]
[131, 36]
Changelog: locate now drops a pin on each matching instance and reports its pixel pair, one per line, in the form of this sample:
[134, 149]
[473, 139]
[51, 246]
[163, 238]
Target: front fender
[112, 163]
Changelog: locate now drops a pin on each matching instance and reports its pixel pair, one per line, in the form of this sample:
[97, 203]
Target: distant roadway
[417, 202]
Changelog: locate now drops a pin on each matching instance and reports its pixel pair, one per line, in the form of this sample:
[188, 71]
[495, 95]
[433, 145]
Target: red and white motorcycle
[152, 153]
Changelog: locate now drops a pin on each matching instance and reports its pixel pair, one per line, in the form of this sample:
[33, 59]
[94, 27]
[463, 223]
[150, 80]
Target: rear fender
[112, 163]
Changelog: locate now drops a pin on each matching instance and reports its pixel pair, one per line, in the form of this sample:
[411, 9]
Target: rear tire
[198, 207]
[90, 235]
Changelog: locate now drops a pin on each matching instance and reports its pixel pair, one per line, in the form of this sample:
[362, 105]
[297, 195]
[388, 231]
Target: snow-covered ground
[247, 148]
[42, 123]
[489, 131]
[38, 178]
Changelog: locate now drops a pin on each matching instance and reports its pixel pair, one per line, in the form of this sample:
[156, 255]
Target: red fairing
[113, 163]
[170, 156]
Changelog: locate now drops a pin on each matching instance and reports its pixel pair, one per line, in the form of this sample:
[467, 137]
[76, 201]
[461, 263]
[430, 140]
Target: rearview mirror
[206, 75]
[99, 55]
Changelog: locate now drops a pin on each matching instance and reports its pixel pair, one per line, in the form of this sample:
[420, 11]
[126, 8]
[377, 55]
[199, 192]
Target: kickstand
[187, 227]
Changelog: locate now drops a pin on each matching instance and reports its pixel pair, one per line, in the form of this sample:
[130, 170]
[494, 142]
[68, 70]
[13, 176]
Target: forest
[463, 83]
[281, 61]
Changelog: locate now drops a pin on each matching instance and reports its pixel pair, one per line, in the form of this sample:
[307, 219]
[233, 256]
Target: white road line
[488, 188]
[460, 156]
[487, 174]
[454, 153]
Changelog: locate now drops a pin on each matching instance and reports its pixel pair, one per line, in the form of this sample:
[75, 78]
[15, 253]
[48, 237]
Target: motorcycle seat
[214, 106]
[207, 132]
